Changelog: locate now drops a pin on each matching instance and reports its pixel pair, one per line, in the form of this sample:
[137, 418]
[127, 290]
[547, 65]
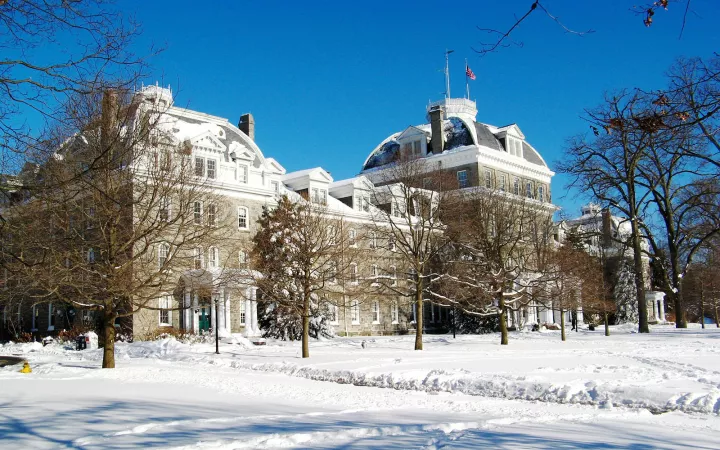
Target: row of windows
[204, 214]
[355, 313]
[463, 182]
[213, 257]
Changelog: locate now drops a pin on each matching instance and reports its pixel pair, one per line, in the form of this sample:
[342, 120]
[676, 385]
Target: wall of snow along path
[650, 382]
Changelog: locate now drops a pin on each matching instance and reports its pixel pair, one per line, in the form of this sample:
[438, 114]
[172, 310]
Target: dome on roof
[460, 129]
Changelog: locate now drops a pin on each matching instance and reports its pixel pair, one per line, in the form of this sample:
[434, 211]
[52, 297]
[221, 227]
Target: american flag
[469, 73]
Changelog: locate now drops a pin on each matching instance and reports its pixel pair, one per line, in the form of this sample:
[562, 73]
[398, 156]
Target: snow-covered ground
[660, 390]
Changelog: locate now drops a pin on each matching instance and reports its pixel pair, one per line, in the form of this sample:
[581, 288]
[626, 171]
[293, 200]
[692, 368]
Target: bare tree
[498, 248]
[409, 204]
[52, 50]
[112, 221]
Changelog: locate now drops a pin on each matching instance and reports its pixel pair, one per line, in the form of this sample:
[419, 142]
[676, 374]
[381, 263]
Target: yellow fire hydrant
[26, 368]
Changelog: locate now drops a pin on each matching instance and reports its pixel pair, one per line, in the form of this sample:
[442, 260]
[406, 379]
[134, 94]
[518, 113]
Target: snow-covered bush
[473, 324]
[282, 322]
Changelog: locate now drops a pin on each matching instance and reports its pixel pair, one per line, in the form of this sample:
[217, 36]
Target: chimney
[606, 228]
[436, 128]
[109, 117]
[247, 125]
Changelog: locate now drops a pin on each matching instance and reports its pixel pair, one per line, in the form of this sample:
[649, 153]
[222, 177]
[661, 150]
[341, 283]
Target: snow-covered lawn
[641, 391]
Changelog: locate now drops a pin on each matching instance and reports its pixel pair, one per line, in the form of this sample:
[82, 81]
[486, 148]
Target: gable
[208, 142]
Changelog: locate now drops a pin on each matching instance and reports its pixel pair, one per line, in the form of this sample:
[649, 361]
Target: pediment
[411, 132]
[208, 141]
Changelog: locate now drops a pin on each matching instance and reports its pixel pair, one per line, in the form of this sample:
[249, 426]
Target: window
[164, 210]
[416, 148]
[331, 235]
[373, 239]
[164, 302]
[51, 317]
[374, 273]
[351, 238]
[212, 215]
[394, 311]
[205, 167]
[275, 186]
[393, 276]
[323, 197]
[197, 213]
[541, 193]
[396, 209]
[488, 178]
[243, 173]
[528, 190]
[355, 312]
[91, 255]
[242, 312]
[353, 273]
[462, 179]
[198, 258]
[242, 258]
[516, 186]
[35, 317]
[242, 218]
[376, 312]
[503, 182]
[199, 166]
[391, 243]
[332, 311]
[332, 272]
[514, 147]
[414, 313]
[213, 257]
[163, 251]
[319, 196]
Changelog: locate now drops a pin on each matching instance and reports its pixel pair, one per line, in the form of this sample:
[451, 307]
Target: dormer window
[514, 146]
[242, 173]
[319, 196]
[205, 167]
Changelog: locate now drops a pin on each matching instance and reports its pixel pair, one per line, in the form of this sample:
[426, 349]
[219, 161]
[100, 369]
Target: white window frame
[353, 275]
[211, 214]
[462, 179]
[393, 276]
[211, 173]
[376, 312]
[352, 238]
[394, 316]
[275, 186]
[529, 189]
[242, 258]
[243, 312]
[541, 193]
[488, 178]
[213, 258]
[503, 182]
[355, 312]
[243, 213]
[516, 186]
[197, 213]
[51, 317]
[373, 239]
[243, 172]
[165, 302]
[163, 253]
[392, 246]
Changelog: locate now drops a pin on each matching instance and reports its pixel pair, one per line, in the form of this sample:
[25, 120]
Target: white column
[196, 319]
[187, 311]
[253, 309]
[226, 302]
[661, 308]
[221, 311]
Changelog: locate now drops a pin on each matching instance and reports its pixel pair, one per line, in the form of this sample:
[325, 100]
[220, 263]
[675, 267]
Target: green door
[204, 320]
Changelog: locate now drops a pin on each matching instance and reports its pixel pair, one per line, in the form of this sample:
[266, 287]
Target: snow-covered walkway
[627, 391]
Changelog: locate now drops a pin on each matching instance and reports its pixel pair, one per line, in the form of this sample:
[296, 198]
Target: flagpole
[447, 72]
[467, 82]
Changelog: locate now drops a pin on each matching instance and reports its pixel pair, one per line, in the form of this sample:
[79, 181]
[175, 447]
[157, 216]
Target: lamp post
[217, 335]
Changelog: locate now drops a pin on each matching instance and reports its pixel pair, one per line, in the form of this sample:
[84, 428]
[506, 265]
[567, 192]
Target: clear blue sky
[327, 81]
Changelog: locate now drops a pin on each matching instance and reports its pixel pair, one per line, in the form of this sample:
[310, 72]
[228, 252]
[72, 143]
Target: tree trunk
[680, 316]
[702, 308]
[607, 324]
[503, 321]
[643, 326]
[717, 322]
[306, 327]
[109, 338]
[562, 325]
[418, 314]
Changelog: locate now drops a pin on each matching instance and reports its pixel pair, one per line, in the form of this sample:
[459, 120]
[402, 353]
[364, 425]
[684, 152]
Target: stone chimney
[436, 128]
[109, 117]
[247, 125]
[606, 228]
